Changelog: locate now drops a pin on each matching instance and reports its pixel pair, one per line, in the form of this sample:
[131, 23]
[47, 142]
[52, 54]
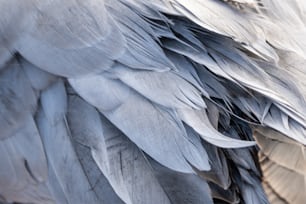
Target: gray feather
[118, 108]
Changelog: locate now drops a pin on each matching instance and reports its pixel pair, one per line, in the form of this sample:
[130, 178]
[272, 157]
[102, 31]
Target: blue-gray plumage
[145, 102]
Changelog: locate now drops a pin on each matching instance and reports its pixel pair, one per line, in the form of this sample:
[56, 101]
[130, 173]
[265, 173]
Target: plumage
[153, 85]
[18, 99]
[121, 161]
[162, 101]
[172, 137]
[66, 177]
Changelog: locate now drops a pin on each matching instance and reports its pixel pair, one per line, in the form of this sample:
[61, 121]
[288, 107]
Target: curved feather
[156, 87]
[198, 120]
[172, 148]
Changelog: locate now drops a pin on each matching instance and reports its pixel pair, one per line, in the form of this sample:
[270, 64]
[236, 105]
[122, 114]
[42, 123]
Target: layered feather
[163, 90]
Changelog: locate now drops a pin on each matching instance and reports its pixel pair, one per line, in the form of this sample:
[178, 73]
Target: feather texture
[112, 101]
[171, 132]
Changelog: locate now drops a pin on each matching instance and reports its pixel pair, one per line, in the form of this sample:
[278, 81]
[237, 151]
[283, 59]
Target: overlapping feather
[166, 85]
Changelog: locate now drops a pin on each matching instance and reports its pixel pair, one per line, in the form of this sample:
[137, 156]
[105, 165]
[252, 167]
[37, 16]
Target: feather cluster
[145, 102]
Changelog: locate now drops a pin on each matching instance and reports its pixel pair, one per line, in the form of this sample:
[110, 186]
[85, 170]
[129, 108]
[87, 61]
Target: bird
[153, 102]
